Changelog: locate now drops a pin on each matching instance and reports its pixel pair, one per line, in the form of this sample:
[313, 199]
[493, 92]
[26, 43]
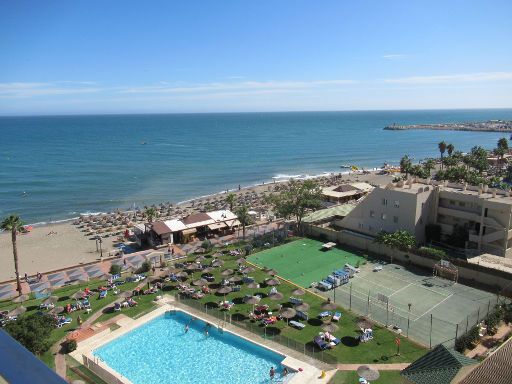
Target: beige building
[346, 192]
[484, 216]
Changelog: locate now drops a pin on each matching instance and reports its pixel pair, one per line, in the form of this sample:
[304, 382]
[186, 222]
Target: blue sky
[67, 57]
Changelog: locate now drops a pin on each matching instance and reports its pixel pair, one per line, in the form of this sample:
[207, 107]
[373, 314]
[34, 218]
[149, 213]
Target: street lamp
[408, 317]
[100, 241]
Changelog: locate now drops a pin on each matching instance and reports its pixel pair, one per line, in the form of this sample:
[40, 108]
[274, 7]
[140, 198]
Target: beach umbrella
[287, 313]
[51, 300]
[20, 299]
[328, 306]
[182, 275]
[247, 270]
[199, 282]
[126, 294]
[298, 292]
[364, 324]
[17, 311]
[253, 300]
[208, 270]
[253, 285]
[272, 282]
[224, 291]
[330, 327]
[234, 279]
[217, 263]
[78, 295]
[200, 258]
[302, 307]
[241, 260]
[368, 373]
[271, 272]
[56, 310]
[227, 272]
[276, 296]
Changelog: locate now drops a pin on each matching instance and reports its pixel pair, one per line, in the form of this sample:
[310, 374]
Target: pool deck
[311, 368]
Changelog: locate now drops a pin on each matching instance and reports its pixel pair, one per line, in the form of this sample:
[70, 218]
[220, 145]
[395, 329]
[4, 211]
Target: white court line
[401, 289]
[373, 282]
[431, 309]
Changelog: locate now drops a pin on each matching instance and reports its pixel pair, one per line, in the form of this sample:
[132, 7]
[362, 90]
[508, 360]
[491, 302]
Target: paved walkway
[487, 342]
[379, 367]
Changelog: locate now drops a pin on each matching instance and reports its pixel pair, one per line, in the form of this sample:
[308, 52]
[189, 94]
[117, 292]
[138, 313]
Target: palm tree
[150, 213]
[405, 165]
[243, 217]
[442, 149]
[14, 224]
[450, 148]
[230, 199]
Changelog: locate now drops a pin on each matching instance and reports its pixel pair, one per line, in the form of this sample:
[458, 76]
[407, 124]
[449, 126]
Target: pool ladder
[170, 312]
[221, 327]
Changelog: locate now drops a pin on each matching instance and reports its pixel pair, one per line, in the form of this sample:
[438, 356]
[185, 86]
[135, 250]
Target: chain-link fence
[426, 329]
[267, 333]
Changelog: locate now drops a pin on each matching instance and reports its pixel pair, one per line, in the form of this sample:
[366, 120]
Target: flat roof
[348, 189]
[492, 261]
[175, 225]
[160, 228]
[322, 214]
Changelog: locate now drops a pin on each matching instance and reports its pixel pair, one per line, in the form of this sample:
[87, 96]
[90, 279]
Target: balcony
[469, 216]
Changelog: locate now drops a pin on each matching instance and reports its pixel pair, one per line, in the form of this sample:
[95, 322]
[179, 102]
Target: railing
[309, 350]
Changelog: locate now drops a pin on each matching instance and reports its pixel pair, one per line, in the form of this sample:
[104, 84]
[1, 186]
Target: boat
[345, 166]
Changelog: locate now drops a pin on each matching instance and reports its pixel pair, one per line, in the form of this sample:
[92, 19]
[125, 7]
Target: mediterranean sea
[56, 167]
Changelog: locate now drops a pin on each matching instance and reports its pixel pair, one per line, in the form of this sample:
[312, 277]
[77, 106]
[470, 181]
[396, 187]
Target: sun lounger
[322, 344]
[295, 301]
[117, 307]
[302, 315]
[324, 314]
[103, 294]
[269, 320]
[329, 338]
[324, 285]
[336, 316]
[297, 325]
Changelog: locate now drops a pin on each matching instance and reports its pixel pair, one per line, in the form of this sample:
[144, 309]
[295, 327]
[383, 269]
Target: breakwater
[483, 126]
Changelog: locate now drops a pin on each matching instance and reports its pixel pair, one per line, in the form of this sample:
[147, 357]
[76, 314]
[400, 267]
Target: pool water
[161, 352]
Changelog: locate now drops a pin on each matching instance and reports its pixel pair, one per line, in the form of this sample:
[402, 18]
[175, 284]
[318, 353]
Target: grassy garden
[351, 377]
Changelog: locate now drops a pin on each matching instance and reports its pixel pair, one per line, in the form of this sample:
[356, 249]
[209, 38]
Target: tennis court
[303, 261]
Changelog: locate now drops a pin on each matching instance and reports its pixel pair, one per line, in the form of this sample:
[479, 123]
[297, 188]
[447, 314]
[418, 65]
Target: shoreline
[275, 180]
[481, 126]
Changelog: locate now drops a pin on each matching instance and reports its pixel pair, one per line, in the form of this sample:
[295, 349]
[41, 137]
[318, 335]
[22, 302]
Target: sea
[55, 168]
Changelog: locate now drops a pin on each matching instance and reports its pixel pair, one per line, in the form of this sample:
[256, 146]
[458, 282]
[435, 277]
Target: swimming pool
[161, 351]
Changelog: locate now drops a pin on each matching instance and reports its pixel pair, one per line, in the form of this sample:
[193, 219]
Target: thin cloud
[235, 77]
[455, 78]
[33, 89]
[394, 56]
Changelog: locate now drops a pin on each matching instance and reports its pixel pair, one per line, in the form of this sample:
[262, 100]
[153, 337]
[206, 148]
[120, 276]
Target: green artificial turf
[303, 261]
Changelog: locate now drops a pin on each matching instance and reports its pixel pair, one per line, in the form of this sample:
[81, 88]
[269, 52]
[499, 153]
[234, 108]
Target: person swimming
[187, 328]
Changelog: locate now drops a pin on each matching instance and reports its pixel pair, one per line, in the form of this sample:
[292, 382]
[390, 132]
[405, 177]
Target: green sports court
[303, 261]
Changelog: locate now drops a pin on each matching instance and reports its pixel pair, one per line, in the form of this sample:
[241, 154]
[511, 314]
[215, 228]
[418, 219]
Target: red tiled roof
[160, 228]
[195, 218]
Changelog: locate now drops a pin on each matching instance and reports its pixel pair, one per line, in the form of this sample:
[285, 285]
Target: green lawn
[303, 261]
[348, 377]
[380, 350]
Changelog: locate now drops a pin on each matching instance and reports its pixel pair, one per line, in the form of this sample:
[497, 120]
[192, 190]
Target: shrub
[33, 332]
[467, 340]
[248, 249]
[493, 320]
[70, 346]
[145, 267]
[207, 245]
[432, 252]
[163, 264]
[115, 269]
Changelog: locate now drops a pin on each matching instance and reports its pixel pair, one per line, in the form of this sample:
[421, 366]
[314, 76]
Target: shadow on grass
[272, 331]
[239, 317]
[211, 305]
[261, 294]
[315, 322]
[238, 300]
[350, 341]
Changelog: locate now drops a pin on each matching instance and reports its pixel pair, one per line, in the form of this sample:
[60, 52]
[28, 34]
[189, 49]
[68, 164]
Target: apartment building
[483, 215]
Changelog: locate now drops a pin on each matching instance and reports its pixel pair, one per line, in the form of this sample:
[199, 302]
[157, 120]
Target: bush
[115, 269]
[467, 340]
[163, 264]
[33, 332]
[248, 249]
[493, 320]
[432, 252]
[70, 346]
[145, 267]
[207, 245]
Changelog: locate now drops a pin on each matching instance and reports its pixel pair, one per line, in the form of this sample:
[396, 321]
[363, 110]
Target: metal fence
[427, 330]
[272, 334]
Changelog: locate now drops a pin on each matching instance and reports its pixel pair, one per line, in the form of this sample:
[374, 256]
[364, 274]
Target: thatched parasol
[328, 306]
[364, 323]
[194, 267]
[253, 285]
[217, 263]
[235, 279]
[224, 291]
[276, 296]
[200, 258]
[51, 300]
[227, 272]
[253, 300]
[368, 373]
[78, 295]
[208, 270]
[126, 294]
[241, 260]
[247, 270]
[17, 311]
[272, 282]
[56, 310]
[298, 292]
[271, 272]
[20, 299]
[287, 313]
[200, 282]
[302, 307]
[182, 274]
[330, 327]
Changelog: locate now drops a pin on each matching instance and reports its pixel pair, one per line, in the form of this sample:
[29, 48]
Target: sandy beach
[69, 245]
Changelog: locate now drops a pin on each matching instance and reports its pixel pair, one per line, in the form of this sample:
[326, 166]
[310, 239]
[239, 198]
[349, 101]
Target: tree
[503, 143]
[450, 148]
[14, 224]
[296, 199]
[479, 160]
[33, 332]
[442, 149]
[398, 239]
[231, 199]
[242, 213]
[151, 213]
[429, 165]
[405, 165]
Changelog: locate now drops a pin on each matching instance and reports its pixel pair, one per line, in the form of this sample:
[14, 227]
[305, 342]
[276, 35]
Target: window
[384, 201]
[383, 216]
[462, 204]
[395, 219]
[370, 228]
[397, 204]
[372, 214]
[452, 202]
[360, 225]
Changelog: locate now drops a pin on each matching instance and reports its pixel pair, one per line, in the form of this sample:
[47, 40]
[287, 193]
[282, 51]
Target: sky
[126, 56]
